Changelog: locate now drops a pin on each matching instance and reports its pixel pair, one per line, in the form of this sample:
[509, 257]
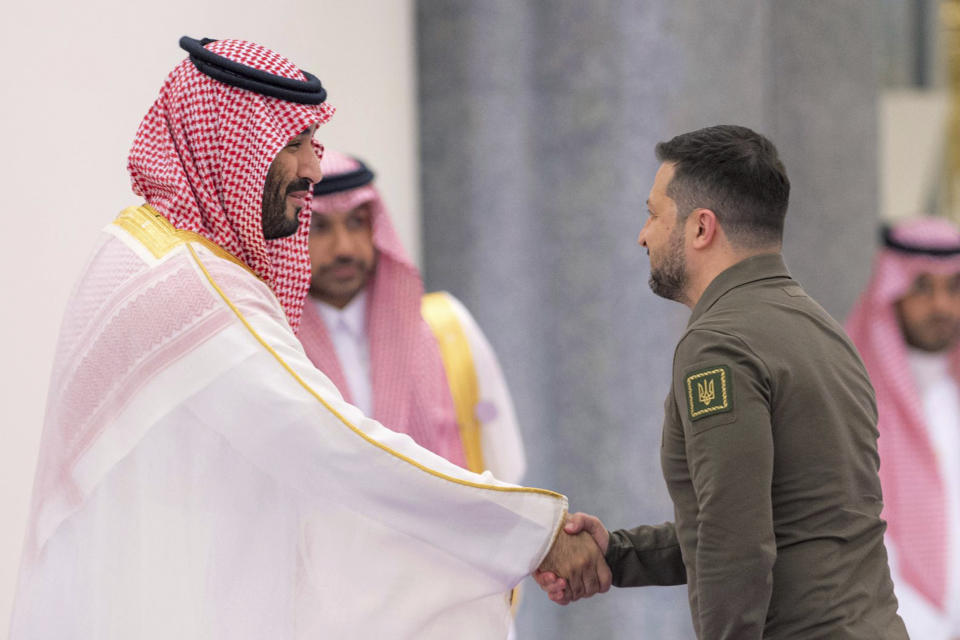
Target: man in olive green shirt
[769, 443]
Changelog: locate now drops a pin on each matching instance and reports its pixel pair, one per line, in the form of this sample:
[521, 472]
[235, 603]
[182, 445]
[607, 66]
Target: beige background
[77, 79]
[912, 127]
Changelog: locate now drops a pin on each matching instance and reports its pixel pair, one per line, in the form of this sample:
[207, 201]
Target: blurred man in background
[907, 328]
[418, 363]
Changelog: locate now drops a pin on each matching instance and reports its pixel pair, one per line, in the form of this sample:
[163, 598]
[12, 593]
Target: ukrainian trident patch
[709, 391]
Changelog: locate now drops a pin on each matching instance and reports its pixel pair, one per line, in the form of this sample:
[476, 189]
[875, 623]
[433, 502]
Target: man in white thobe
[198, 476]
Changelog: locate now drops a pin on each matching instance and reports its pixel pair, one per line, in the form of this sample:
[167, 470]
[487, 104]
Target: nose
[309, 164]
[342, 241]
[944, 301]
[642, 237]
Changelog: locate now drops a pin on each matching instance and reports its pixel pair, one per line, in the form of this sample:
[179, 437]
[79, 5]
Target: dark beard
[276, 224]
[931, 341]
[319, 278]
[669, 280]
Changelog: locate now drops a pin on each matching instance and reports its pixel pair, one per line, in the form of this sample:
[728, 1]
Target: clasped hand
[575, 567]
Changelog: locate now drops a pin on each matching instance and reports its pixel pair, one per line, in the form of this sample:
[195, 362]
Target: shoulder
[161, 246]
[704, 339]
[446, 298]
[705, 352]
[443, 311]
[762, 317]
[443, 303]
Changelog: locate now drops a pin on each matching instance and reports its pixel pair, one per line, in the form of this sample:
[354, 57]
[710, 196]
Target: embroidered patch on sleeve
[709, 391]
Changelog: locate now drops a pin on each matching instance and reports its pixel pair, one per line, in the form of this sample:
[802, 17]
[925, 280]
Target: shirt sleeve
[722, 390]
[646, 555]
[288, 419]
[503, 452]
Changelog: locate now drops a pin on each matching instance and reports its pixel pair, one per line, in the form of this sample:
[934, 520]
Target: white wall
[77, 78]
[912, 131]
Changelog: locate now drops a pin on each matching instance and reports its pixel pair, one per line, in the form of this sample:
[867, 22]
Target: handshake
[575, 567]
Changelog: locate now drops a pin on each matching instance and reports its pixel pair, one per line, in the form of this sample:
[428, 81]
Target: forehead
[662, 180]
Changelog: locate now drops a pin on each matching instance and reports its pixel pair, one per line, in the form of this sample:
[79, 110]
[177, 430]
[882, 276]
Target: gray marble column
[538, 121]
[823, 116]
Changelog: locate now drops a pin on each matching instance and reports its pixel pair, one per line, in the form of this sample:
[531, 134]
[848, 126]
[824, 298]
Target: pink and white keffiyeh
[410, 390]
[201, 157]
[913, 491]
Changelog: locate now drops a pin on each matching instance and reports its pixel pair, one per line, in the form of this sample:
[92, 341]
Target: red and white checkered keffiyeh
[913, 491]
[201, 157]
[410, 390]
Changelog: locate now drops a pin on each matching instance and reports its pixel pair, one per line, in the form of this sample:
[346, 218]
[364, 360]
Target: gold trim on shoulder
[437, 310]
[155, 232]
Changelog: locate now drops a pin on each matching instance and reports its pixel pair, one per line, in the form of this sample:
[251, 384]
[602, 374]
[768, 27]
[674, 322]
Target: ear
[704, 228]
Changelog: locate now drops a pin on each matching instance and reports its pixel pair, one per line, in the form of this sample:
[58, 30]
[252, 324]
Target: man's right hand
[577, 556]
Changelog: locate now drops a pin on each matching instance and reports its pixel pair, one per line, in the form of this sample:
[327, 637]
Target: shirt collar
[352, 317]
[928, 368]
[759, 267]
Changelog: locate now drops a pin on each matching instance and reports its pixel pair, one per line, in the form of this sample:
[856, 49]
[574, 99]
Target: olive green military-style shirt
[769, 452]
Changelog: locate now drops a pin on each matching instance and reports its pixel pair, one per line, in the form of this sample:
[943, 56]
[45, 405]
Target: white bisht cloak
[199, 478]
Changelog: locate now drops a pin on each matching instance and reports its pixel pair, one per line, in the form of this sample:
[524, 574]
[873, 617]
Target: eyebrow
[300, 135]
[306, 132]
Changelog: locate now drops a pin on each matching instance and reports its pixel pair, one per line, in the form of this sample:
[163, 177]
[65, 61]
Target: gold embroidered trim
[155, 232]
[439, 313]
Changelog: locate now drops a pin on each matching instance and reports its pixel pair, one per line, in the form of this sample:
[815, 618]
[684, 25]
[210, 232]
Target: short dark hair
[736, 173]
